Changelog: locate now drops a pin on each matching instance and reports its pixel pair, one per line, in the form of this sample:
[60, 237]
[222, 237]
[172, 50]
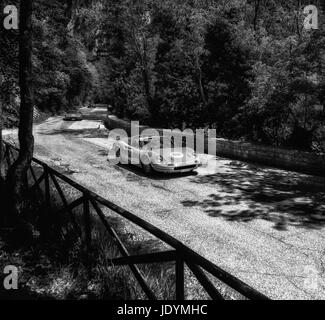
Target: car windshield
[155, 142]
[162, 142]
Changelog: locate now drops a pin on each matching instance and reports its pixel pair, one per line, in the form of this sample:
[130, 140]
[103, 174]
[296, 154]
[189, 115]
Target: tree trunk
[2, 164]
[200, 82]
[18, 171]
[257, 7]
[147, 81]
[298, 21]
[2, 167]
[2, 175]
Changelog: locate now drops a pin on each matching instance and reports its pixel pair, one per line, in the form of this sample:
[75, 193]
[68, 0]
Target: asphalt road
[263, 225]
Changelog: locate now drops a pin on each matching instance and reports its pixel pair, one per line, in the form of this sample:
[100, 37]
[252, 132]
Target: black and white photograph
[159, 155]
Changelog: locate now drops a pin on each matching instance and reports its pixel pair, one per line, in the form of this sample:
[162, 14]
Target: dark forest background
[247, 68]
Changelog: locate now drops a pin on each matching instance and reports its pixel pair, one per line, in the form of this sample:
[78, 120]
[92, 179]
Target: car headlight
[159, 159]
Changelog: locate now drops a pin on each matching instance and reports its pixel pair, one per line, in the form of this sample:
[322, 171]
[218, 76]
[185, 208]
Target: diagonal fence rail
[180, 254]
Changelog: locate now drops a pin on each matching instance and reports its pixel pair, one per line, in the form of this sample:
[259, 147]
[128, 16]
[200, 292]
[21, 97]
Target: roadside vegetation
[247, 68]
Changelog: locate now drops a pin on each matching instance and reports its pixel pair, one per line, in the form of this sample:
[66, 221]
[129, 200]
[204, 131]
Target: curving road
[263, 225]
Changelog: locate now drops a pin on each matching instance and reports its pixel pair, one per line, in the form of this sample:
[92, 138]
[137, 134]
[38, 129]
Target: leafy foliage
[245, 67]
[9, 73]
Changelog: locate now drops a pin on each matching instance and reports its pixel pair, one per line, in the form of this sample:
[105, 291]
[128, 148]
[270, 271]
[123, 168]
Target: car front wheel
[147, 168]
[118, 153]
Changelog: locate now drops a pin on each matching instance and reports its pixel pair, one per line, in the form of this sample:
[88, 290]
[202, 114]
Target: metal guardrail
[181, 254]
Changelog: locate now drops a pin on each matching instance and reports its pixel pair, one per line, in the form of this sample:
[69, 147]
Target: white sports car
[154, 153]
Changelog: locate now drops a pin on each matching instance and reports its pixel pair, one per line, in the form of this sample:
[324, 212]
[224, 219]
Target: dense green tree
[245, 67]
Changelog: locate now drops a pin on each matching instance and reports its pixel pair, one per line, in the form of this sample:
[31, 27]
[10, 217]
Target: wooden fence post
[180, 279]
[47, 187]
[87, 221]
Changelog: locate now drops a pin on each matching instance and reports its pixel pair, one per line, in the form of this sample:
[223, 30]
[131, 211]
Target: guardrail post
[47, 187]
[7, 155]
[87, 221]
[180, 279]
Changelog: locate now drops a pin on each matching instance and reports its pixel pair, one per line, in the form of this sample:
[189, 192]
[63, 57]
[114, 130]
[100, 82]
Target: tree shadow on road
[245, 192]
[136, 174]
[85, 133]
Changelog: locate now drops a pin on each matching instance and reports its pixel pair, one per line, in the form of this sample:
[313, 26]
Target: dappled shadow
[59, 265]
[102, 152]
[85, 133]
[23, 294]
[134, 174]
[245, 192]
[95, 115]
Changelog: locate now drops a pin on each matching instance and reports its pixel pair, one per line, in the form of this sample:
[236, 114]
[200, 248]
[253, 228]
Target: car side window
[143, 143]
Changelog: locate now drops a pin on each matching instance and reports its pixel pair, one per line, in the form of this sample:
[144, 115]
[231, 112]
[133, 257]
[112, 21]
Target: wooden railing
[180, 254]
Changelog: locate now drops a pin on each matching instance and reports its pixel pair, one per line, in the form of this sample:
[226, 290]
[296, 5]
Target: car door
[134, 152]
[125, 150]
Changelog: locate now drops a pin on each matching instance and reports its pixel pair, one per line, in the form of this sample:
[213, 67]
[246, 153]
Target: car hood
[175, 154]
